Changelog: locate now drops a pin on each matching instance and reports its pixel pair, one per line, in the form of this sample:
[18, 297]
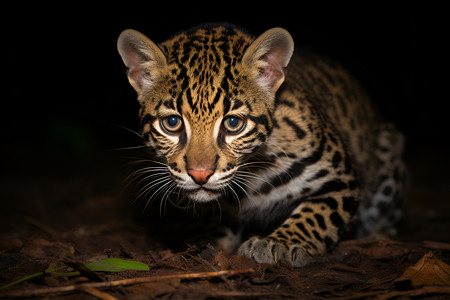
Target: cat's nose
[200, 177]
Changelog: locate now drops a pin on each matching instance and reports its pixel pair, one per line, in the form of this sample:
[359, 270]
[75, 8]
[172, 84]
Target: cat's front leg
[313, 228]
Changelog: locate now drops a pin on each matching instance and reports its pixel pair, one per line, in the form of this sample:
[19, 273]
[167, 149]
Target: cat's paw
[267, 250]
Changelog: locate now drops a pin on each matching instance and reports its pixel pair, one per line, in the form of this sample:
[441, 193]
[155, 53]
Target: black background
[66, 95]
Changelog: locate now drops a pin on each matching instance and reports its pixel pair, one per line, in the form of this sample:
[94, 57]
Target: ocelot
[291, 134]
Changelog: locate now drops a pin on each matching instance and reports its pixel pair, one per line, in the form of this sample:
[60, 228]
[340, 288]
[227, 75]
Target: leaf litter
[93, 229]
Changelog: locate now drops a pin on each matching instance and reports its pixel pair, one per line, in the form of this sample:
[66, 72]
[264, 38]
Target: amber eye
[172, 123]
[234, 124]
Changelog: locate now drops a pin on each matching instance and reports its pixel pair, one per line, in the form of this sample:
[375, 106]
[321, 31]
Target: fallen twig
[98, 294]
[123, 282]
[85, 271]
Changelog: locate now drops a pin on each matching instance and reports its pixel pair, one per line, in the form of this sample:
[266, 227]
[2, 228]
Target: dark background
[66, 97]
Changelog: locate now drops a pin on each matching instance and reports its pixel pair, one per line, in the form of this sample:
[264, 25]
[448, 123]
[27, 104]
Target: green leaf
[22, 279]
[104, 265]
[116, 265]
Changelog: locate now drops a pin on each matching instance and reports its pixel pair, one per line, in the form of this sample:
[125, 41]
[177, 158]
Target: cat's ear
[268, 56]
[144, 59]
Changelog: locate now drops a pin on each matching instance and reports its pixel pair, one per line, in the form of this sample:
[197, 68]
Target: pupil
[233, 122]
[172, 121]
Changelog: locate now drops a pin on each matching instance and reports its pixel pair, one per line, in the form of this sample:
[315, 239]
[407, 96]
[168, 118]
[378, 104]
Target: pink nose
[200, 176]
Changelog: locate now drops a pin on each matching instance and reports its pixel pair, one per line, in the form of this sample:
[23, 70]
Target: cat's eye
[233, 124]
[172, 123]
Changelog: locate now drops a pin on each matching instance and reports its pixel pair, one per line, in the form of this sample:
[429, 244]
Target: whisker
[146, 170]
[262, 167]
[220, 209]
[145, 160]
[145, 190]
[130, 130]
[253, 176]
[230, 187]
[255, 163]
[235, 182]
[178, 202]
[165, 197]
[277, 146]
[146, 175]
[128, 148]
[247, 183]
[138, 172]
[150, 200]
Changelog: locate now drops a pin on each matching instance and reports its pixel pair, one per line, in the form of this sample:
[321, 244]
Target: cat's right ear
[144, 59]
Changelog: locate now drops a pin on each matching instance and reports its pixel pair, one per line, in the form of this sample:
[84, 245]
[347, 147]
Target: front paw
[269, 250]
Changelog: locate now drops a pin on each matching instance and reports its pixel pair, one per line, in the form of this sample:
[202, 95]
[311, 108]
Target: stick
[123, 282]
[98, 294]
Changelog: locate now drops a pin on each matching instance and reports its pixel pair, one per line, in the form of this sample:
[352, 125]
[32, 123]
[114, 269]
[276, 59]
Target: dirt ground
[57, 217]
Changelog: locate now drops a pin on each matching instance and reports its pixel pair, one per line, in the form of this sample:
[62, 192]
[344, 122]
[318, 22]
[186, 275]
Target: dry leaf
[166, 254]
[226, 262]
[428, 271]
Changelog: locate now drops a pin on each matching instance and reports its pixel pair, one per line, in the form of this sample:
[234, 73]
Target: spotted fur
[301, 147]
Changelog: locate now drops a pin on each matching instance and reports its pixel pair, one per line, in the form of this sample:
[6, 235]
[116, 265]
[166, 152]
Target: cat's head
[207, 99]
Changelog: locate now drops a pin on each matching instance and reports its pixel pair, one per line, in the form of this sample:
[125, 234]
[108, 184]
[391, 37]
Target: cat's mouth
[202, 194]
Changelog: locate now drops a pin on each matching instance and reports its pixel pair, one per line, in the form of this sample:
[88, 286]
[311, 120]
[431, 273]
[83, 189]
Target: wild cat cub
[303, 150]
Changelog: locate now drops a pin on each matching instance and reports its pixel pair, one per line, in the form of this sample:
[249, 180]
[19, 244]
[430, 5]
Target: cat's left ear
[268, 56]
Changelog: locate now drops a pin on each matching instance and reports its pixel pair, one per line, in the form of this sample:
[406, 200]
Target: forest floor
[59, 219]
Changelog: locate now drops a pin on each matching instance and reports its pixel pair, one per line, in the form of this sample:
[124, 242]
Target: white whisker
[281, 150]
[164, 182]
[150, 186]
[130, 130]
[247, 183]
[236, 196]
[235, 182]
[220, 209]
[256, 164]
[262, 167]
[164, 197]
[144, 175]
[249, 175]
[142, 160]
[133, 176]
[128, 148]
